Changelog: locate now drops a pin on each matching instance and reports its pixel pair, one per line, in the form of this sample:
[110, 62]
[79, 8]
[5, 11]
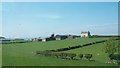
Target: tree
[111, 46]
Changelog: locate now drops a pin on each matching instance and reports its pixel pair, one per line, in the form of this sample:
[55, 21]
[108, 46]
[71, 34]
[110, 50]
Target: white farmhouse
[85, 34]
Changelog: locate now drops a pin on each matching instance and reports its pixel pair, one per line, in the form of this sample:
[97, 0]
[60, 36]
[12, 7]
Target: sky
[40, 19]
[59, 0]
[0, 19]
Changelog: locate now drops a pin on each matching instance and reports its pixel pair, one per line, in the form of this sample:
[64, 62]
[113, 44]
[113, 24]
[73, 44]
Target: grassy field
[23, 54]
[97, 50]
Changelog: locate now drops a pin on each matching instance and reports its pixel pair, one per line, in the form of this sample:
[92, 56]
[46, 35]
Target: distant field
[23, 54]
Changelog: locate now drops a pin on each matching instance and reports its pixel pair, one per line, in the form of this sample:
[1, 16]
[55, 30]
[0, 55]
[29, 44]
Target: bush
[47, 53]
[80, 56]
[55, 54]
[39, 52]
[72, 55]
[64, 55]
[60, 49]
[88, 56]
[114, 56]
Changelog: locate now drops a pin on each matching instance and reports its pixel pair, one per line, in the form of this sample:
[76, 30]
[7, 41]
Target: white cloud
[45, 16]
[51, 16]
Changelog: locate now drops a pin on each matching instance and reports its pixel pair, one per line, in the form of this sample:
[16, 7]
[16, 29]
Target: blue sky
[59, 0]
[34, 19]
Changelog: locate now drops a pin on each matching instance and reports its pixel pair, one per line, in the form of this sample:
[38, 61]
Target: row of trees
[64, 55]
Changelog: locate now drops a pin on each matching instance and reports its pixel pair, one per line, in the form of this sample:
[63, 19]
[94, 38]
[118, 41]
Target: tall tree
[111, 46]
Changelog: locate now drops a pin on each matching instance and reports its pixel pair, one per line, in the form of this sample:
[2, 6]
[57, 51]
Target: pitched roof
[84, 32]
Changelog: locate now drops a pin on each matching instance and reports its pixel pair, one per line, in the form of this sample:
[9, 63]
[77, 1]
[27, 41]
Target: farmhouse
[85, 34]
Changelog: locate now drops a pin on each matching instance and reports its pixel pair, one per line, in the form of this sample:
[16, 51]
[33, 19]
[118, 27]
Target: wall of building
[84, 35]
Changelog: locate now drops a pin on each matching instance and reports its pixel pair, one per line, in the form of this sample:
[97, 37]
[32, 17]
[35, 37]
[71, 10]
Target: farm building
[34, 39]
[60, 37]
[48, 39]
[37, 39]
[52, 37]
[2, 37]
[72, 36]
[85, 34]
[4, 41]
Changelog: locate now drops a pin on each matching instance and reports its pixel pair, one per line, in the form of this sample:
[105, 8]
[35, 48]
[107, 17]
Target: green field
[97, 50]
[23, 54]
